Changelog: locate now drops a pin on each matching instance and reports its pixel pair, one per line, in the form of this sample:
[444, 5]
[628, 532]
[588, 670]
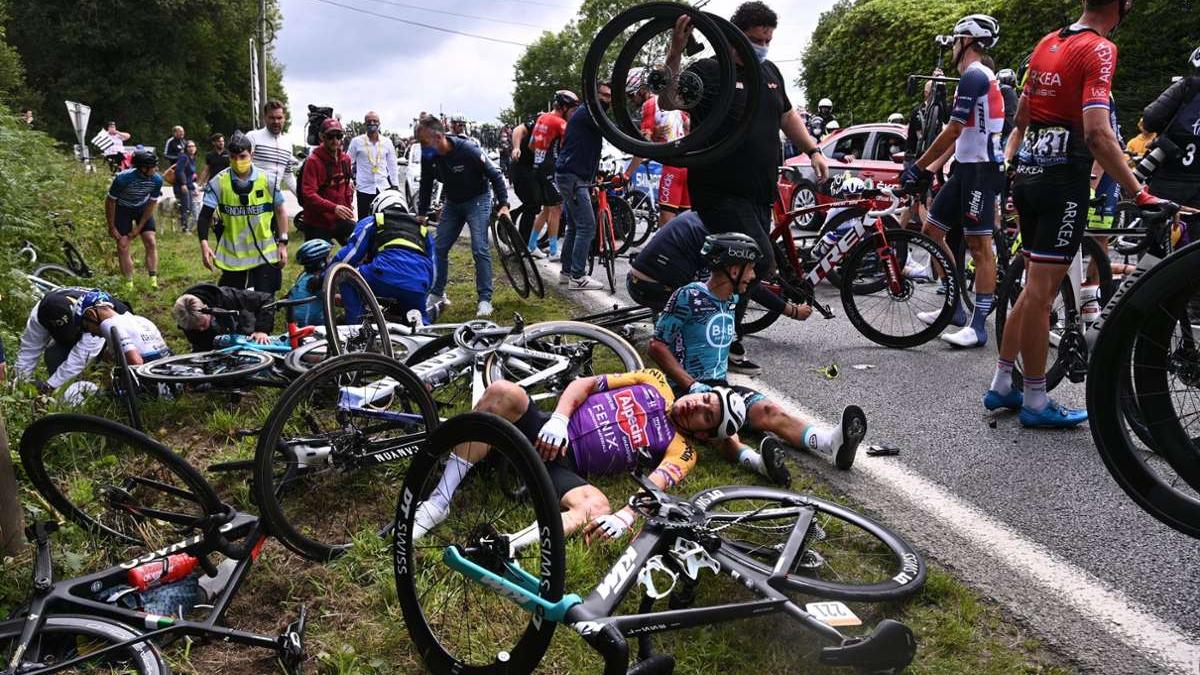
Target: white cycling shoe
[965, 338]
[929, 318]
[428, 516]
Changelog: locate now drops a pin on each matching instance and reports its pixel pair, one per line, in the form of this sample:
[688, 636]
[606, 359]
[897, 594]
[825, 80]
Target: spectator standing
[129, 212]
[374, 159]
[465, 172]
[185, 184]
[115, 154]
[326, 188]
[272, 153]
[174, 146]
[216, 160]
[1139, 145]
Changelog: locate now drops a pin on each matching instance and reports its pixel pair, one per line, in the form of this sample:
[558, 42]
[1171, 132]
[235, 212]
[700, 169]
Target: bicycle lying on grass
[117, 482]
[770, 541]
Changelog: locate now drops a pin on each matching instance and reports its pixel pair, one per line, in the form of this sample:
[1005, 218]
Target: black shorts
[547, 190]
[126, 218]
[1053, 210]
[265, 278]
[968, 199]
[564, 473]
[738, 214]
[650, 294]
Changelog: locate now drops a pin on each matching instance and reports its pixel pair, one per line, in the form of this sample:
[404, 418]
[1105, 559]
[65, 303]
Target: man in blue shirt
[465, 173]
[129, 212]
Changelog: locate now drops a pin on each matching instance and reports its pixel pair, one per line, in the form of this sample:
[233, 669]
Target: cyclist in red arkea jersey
[1062, 123]
[544, 141]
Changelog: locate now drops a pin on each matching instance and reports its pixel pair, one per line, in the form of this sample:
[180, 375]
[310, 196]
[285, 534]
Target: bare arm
[518, 137]
[661, 354]
[574, 395]
[679, 39]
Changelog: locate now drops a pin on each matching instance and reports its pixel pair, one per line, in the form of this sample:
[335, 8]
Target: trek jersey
[979, 107]
[1071, 71]
[698, 328]
[625, 414]
[544, 140]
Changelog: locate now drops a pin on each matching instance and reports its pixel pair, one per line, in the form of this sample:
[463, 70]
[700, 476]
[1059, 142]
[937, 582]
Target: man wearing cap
[374, 158]
[326, 190]
[54, 332]
[254, 318]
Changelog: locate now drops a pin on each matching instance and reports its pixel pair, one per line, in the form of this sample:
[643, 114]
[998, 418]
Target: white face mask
[760, 52]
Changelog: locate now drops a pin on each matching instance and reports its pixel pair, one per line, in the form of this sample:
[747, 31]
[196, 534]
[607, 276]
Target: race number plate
[833, 613]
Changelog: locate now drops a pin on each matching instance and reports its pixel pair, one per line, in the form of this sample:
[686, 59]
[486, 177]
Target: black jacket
[252, 317]
[1175, 114]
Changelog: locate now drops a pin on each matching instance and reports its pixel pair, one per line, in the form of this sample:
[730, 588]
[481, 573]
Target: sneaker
[743, 365]
[427, 517]
[563, 278]
[433, 300]
[537, 253]
[928, 318]
[1053, 416]
[773, 453]
[854, 428]
[917, 272]
[584, 283]
[1013, 400]
[484, 309]
[966, 338]
[153, 281]
[555, 256]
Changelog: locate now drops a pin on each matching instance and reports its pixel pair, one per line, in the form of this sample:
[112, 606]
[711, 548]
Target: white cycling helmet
[824, 103]
[1195, 59]
[832, 125]
[391, 198]
[733, 412]
[847, 186]
[895, 118]
[982, 27]
[635, 81]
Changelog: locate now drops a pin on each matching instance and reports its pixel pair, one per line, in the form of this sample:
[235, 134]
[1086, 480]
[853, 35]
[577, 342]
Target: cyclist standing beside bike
[967, 201]
[1062, 124]
[545, 140]
[736, 193]
[1175, 116]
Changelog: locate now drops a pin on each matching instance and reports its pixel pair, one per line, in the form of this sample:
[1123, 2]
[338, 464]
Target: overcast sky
[356, 61]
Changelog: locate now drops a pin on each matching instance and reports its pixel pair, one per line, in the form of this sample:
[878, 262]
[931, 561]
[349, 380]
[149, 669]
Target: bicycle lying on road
[484, 591]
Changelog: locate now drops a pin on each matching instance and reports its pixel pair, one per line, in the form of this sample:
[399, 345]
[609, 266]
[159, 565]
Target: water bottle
[1089, 299]
[162, 571]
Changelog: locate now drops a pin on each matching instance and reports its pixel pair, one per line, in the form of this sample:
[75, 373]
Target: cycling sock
[1035, 393]
[1002, 380]
[553, 245]
[823, 439]
[533, 239]
[751, 459]
[456, 468]
[983, 305]
[154, 279]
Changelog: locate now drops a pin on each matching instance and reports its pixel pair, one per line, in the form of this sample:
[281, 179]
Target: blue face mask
[760, 52]
[372, 127]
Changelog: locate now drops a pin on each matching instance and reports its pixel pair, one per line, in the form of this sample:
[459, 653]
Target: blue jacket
[402, 267]
[464, 171]
[580, 151]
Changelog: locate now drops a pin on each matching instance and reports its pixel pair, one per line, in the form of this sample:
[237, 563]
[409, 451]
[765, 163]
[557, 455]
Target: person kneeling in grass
[691, 344]
[598, 428]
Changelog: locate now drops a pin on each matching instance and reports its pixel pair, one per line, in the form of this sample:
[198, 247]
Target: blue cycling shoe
[994, 400]
[1053, 416]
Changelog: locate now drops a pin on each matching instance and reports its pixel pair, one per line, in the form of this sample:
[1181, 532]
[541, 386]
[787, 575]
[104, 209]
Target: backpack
[328, 178]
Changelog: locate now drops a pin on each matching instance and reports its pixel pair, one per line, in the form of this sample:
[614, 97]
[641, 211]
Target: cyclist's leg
[123, 222]
[944, 215]
[150, 243]
[978, 216]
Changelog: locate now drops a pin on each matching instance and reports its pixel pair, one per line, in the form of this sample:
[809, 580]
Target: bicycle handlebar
[891, 194]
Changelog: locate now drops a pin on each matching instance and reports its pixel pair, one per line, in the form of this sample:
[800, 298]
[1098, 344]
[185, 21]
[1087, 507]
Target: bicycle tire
[643, 208]
[624, 222]
[308, 355]
[56, 274]
[142, 657]
[416, 572]
[539, 334]
[511, 261]
[608, 257]
[373, 324]
[901, 572]
[903, 242]
[763, 318]
[1113, 352]
[80, 498]
[314, 524]
[125, 379]
[230, 367]
[75, 261]
[536, 285]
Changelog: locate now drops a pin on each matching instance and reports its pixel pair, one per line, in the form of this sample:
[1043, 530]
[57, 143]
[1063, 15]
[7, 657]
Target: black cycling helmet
[728, 249]
[144, 159]
[237, 143]
[1007, 76]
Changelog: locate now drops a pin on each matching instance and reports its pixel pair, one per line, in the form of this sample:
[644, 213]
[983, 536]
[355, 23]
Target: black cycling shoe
[854, 428]
[773, 454]
[744, 366]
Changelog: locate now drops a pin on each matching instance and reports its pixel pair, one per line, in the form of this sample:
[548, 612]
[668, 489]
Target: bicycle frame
[74, 595]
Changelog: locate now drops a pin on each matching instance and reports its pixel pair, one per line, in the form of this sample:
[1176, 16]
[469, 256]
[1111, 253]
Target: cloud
[356, 62]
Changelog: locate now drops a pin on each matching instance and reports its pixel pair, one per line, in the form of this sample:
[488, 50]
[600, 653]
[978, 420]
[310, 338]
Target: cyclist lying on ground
[200, 328]
[597, 429]
[691, 344]
[394, 253]
[53, 332]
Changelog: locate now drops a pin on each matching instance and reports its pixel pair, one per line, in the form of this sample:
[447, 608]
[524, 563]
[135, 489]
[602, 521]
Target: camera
[1160, 151]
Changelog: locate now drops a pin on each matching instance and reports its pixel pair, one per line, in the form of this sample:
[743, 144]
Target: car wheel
[805, 195]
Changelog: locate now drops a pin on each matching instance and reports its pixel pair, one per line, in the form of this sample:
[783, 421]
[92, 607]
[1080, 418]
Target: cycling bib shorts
[968, 199]
[1054, 214]
[673, 189]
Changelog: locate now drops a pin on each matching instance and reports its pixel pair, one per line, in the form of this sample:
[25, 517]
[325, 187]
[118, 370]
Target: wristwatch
[814, 150]
[281, 240]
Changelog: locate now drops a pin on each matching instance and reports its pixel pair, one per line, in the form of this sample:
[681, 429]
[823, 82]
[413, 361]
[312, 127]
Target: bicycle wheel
[305, 357]
[75, 261]
[115, 481]
[889, 316]
[220, 365]
[845, 555]
[126, 388]
[1146, 332]
[576, 349]
[333, 449]
[65, 637]
[607, 254]
[645, 216]
[757, 317]
[346, 333]
[508, 245]
[532, 273]
[57, 274]
[457, 624]
[624, 222]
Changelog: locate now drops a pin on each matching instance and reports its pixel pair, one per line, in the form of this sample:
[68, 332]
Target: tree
[168, 62]
[12, 81]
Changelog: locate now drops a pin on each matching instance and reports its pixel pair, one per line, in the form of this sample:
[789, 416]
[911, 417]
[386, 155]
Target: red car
[867, 151]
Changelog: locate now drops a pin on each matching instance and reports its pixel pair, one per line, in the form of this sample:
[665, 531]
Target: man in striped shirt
[272, 153]
[129, 212]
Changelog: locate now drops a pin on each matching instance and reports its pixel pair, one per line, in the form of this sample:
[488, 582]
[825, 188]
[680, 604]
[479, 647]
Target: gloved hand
[698, 387]
[609, 526]
[1144, 198]
[552, 439]
[914, 176]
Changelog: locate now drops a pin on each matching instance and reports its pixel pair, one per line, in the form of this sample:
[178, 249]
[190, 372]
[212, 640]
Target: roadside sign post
[80, 114]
